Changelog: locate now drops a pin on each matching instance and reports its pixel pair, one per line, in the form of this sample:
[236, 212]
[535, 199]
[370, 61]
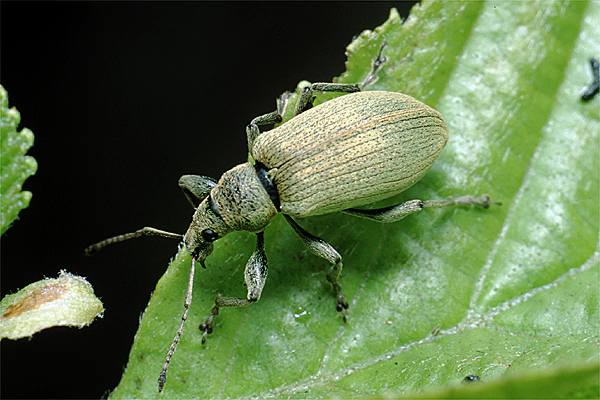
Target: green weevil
[343, 154]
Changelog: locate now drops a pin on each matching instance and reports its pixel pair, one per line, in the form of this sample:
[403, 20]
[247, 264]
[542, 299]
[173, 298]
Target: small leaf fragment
[68, 300]
[15, 166]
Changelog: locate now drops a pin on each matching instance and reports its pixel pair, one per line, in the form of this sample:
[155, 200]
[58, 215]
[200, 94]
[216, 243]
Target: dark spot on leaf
[471, 378]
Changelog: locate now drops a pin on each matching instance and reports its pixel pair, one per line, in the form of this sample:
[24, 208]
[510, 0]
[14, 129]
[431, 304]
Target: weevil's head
[206, 227]
[238, 202]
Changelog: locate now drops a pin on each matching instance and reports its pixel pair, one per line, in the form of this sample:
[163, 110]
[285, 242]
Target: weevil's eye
[209, 235]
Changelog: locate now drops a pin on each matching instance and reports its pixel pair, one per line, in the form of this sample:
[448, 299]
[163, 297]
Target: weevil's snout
[206, 227]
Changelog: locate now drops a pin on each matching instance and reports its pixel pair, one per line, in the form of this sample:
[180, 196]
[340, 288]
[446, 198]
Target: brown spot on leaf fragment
[39, 296]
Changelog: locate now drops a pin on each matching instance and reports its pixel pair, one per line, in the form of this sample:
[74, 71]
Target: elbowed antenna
[162, 378]
[145, 231]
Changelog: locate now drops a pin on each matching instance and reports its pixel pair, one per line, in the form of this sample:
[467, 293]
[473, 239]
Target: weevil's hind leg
[307, 96]
[196, 187]
[324, 250]
[402, 210]
[146, 231]
[255, 276]
[162, 378]
[258, 125]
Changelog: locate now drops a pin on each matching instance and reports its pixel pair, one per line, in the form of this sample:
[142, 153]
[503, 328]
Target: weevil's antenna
[162, 379]
[146, 231]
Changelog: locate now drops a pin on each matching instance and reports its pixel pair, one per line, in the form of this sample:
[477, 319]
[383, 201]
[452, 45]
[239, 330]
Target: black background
[123, 99]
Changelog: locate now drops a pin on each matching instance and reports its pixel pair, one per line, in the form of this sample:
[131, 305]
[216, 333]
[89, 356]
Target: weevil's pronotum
[338, 156]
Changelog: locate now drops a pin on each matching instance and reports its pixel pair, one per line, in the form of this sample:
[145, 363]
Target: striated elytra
[343, 154]
[351, 151]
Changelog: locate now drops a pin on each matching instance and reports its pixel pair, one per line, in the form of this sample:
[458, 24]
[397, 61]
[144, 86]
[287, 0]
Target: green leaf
[68, 300]
[500, 293]
[15, 166]
[580, 382]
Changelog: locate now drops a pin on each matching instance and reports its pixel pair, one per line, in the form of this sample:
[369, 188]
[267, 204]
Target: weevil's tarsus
[146, 231]
[259, 125]
[321, 248]
[196, 187]
[378, 61]
[307, 96]
[402, 210]
[255, 276]
[593, 88]
[162, 378]
[282, 102]
[483, 201]
[220, 301]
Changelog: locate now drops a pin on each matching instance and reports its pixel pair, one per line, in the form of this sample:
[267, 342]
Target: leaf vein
[320, 378]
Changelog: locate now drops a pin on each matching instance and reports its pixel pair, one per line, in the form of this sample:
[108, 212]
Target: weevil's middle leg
[402, 210]
[324, 250]
[255, 276]
[196, 187]
[257, 125]
[307, 95]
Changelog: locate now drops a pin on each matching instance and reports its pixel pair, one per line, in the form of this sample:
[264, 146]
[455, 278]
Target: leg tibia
[255, 276]
[402, 210]
[307, 95]
[220, 301]
[324, 250]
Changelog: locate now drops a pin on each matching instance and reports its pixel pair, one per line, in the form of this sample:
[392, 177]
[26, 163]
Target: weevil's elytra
[345, 153]
[382, 143]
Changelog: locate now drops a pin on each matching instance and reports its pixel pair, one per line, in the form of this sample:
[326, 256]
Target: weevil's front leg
[402, 210]
[196, 187]
[255, 277]
[307, 96]
[255, 127]
[324, 250]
